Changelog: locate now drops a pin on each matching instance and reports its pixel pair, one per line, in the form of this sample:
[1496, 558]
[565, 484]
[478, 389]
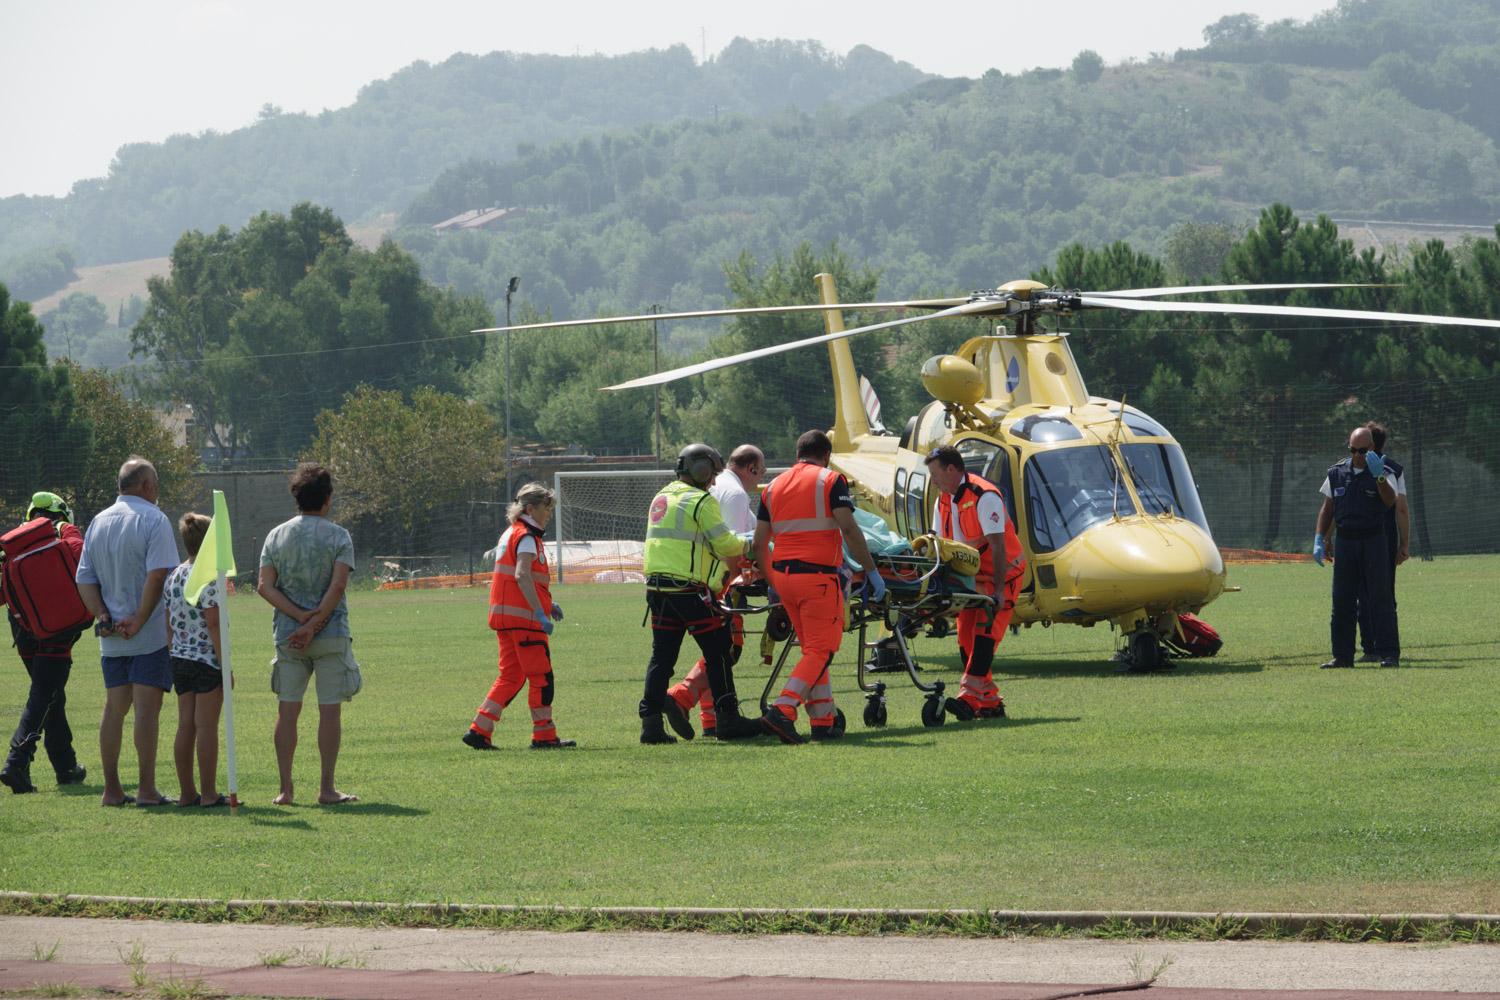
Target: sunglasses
[1358, 451]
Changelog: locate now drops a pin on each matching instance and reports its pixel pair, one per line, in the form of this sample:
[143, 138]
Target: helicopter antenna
[1114, 440]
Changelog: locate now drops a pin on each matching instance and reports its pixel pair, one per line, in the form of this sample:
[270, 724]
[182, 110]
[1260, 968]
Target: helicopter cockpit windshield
[1161, 477]
[1070, 490]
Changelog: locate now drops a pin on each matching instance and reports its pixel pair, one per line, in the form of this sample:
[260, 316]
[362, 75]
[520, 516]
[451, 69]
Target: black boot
[652, 731]
[72, 776]
[677, 718]
[732, 725]
[16, 774]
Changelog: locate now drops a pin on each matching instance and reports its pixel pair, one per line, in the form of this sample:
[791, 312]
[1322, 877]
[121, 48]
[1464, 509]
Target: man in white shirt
[732, 488]
[127, 553]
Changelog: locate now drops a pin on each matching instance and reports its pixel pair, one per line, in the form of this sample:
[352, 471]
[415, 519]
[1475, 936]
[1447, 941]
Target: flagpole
[228, 678]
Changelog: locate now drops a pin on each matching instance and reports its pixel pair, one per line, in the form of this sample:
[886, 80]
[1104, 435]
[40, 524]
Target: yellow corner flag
[215, 555]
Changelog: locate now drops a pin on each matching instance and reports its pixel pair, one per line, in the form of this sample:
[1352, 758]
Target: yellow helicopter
[1101, 494]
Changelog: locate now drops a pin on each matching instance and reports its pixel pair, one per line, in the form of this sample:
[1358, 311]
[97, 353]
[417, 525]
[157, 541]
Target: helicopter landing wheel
[933, 712]
[1144, 651]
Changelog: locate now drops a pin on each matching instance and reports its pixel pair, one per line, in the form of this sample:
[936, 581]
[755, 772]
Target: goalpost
[600, 519]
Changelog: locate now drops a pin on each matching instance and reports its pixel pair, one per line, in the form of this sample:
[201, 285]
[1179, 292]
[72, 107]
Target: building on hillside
[478, 218]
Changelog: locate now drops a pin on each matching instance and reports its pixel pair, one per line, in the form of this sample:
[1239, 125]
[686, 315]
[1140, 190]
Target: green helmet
[51, 505]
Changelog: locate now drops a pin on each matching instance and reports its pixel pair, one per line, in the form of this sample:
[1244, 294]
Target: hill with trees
[401, 132]
[959, 184]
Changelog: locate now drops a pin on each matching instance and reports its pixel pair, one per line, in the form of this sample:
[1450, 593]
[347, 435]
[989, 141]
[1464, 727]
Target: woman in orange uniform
[522, 614]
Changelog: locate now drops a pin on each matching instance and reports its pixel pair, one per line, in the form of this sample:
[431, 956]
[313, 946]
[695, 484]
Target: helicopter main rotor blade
[1237, 309]
[662, 378]
[1145, 293]
[745, 311]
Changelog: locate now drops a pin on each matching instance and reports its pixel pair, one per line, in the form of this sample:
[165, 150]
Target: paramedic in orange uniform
[971, 510]
[522, 613]
[808, 514]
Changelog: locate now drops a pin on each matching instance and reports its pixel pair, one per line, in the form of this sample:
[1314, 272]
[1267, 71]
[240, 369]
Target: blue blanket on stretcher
[883, 542]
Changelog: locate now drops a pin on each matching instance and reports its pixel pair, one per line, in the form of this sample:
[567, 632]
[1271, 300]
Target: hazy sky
[79, 78]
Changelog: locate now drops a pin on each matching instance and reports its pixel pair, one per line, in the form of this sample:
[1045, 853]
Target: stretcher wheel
[932, 712]
[875, 713]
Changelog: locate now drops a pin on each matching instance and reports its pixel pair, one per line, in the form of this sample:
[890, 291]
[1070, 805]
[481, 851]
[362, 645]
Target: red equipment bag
[39, 582]
[1194, 637]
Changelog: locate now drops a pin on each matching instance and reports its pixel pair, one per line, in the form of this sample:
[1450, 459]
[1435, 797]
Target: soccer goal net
[600, 519]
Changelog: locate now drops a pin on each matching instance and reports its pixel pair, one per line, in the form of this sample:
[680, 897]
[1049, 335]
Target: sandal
[222, 800]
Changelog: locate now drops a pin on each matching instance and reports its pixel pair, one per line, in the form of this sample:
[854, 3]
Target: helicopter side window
[1162, 478]
[898, 503]
[1041, 427]
[916, 506]
[1069, 491]
[1141, 424]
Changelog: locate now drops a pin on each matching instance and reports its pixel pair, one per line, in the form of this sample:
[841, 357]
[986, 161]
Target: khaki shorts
[328, 658]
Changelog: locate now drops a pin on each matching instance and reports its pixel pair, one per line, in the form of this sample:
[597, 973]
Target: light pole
[656, 390]
[510, 290]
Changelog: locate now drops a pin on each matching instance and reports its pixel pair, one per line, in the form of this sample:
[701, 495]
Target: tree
[36, 275]
[1265, 377]
[256, 330]
[405, 466]
[1088, 66]
[125, 427]
[76, 321]
[1232, 29]
[44, 438]
[1196, 251]
[1270, 80]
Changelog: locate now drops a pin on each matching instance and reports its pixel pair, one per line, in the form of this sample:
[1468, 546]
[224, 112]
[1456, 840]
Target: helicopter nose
[1156, 563]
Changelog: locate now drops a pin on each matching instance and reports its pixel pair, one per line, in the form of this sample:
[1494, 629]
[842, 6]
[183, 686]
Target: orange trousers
[524, 659]
[978, 686]
[815, 604]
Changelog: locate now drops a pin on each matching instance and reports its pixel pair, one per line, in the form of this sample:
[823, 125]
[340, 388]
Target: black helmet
[700, 463]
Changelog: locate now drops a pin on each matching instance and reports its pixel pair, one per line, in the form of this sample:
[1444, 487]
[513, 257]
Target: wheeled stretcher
[924, 593]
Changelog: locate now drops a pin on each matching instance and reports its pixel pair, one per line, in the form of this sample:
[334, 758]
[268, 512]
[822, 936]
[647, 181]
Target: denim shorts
[153, 669]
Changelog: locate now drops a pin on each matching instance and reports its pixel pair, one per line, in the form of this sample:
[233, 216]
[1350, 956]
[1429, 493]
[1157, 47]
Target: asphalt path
[298, 960]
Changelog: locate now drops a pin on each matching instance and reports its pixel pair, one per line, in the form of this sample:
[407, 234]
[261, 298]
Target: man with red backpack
[37, 587]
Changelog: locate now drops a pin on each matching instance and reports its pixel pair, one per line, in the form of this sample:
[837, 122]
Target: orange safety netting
[1263, 556]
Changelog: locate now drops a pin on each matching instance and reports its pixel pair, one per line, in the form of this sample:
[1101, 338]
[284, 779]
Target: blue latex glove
[1375, 464]
[771, 596]
[874, 587]
[544, 622]
[1319, 548]
[557, 614]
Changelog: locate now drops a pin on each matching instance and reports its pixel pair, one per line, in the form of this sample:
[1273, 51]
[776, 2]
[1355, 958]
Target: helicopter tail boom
[849, 419]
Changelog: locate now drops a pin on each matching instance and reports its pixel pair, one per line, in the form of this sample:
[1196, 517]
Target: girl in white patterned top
[195, 673]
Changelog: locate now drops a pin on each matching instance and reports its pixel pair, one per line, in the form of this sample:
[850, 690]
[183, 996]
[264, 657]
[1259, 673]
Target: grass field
[1250, 781]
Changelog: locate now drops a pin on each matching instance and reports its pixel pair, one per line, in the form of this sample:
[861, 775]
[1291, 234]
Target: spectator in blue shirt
[127, 554]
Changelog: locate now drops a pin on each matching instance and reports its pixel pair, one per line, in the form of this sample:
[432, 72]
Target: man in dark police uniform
[1356, 495]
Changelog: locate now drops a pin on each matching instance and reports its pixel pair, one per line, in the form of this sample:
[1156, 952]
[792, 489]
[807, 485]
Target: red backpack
[39, 580]
[1194, 637]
